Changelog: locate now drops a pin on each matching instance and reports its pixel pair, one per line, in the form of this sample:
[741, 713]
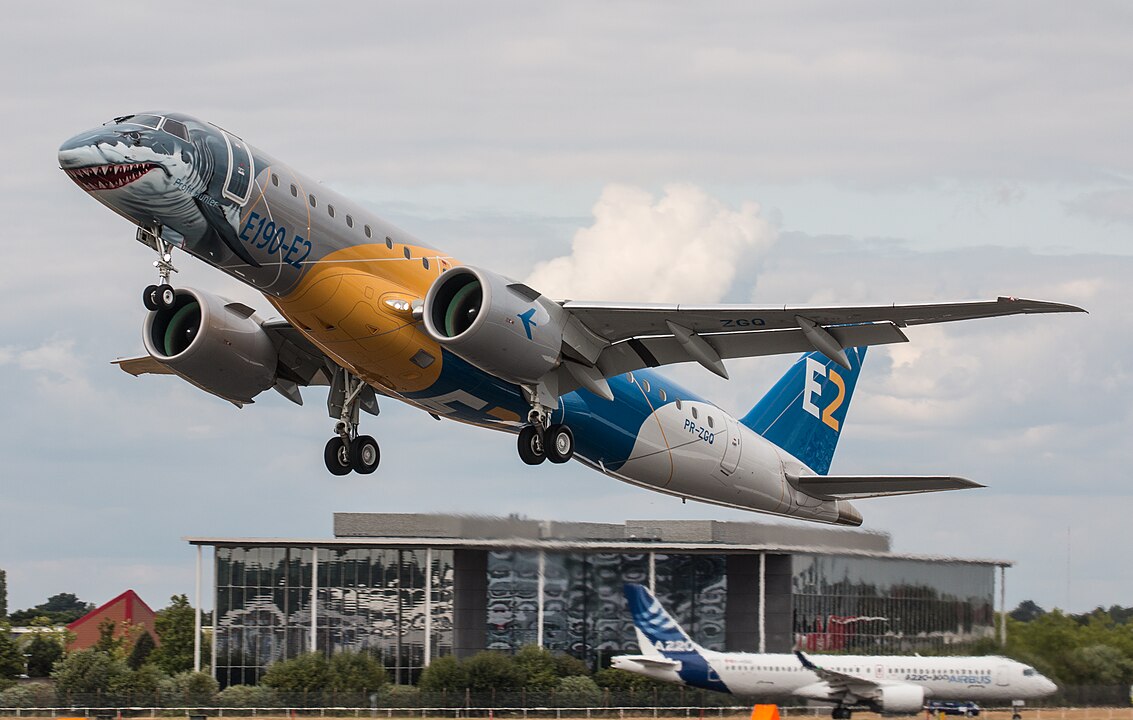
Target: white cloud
[683, 246]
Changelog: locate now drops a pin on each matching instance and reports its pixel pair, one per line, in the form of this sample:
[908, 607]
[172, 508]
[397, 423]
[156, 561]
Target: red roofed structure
[125, 611]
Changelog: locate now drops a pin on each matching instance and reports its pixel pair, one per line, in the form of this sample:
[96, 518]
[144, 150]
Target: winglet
[805, 660]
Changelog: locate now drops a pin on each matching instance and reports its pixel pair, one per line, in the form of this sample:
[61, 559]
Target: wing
[848, 487]
[621, 338]
[841, 684]
[301, 363]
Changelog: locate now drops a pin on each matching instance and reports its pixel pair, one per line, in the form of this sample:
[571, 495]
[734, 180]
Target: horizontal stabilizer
[657, 662]
[848, 487]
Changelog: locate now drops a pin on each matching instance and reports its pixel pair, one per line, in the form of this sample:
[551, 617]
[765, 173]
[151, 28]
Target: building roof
[410, 530]
[127, 608]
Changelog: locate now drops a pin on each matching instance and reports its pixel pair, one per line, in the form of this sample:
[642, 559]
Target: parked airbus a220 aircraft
[883, 684]
[371, 310]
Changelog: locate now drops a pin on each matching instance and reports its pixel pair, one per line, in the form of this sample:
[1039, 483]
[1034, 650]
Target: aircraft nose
[80, 149]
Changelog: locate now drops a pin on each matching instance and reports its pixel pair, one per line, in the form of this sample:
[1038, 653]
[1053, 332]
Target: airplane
[369, 310]
[877, 683]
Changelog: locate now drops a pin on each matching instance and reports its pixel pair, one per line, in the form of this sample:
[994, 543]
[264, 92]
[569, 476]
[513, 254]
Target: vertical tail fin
[803, 414]
[657, 631]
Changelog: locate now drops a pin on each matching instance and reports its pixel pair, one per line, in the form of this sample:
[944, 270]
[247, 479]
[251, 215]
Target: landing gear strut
[160, 296]
[544, 440]
[348, 451]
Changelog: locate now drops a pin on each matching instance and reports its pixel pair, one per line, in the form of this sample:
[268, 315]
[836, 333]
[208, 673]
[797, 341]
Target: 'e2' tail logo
[811, 388]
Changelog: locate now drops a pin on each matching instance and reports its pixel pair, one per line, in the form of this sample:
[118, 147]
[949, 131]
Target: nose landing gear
[348, 451]
[160, 296]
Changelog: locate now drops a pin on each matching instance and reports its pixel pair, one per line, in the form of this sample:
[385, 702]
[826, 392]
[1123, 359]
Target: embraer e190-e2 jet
[370, 310]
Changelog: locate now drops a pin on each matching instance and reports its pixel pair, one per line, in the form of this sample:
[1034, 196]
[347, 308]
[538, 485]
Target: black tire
[166, 296]
[337, 457]
[559, 443]
[364, 454]
[530, 445]
[149, 298]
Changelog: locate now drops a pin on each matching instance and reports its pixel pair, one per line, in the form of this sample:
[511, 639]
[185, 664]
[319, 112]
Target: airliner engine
[502, 327]
[213, 343]
[900, 698]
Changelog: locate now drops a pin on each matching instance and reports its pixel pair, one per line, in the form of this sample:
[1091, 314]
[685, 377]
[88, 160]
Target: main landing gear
[544, 440]
[348, 451]
[160, 296]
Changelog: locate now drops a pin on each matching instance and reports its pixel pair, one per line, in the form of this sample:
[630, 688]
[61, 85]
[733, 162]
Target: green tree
[43, 651]
[59, 609]
[489, 670]
[84, 672]
[11, 657]
[141, 686]
[537, 668]
[444, 673]
[3, 595]
[175, 626]
[191, 688]
[1027, 611]
[143, 648]
[356, 671]
[108, 640]
[309, 672]
[620, 680]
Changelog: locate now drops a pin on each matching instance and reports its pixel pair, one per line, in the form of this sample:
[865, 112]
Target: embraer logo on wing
[815, 370]
[528, 323]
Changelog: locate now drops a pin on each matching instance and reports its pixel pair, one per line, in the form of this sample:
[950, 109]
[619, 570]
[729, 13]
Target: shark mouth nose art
[108, 177]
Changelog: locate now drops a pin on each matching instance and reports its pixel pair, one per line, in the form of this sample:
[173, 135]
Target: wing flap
[849, 487]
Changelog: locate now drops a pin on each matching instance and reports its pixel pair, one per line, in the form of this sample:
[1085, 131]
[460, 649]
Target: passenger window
[661, 392]
[425, 262]
[314, 202]
[330, 210]
[349, 221]
[710, 424]
[389, 242]
[294, 190]
[368, 231]
[629, 376]
[694, 413]
[645, 385]
[275, 179]
[408, 255]
[678, 403]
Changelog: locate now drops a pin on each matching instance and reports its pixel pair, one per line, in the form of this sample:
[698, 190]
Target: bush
[491, 671]
[87, 672]
[399, 696]
[444, 674]
[309, 672]
[28, 695]
[247, 696]
[578, 691]
[190, 689]
[141, 686]
[356, 672]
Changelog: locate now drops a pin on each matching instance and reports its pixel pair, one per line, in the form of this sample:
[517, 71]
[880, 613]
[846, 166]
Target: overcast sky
[764, 152]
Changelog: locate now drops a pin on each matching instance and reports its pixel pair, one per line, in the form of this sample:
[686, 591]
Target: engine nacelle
[905, 699]
[213, 343]
[498, 325]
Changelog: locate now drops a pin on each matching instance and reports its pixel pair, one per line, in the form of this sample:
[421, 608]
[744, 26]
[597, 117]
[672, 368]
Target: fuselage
[981, 679]
[347, 280]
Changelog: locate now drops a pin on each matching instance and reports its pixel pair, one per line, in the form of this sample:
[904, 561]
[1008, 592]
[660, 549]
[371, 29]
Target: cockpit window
[176, 128]
[151, 121]
[1028, 672]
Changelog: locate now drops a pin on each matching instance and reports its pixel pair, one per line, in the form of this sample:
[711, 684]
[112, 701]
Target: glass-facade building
[413, 588]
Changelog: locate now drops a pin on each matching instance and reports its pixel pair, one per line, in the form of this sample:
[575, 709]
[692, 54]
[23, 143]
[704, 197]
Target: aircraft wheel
[364, 454]
[149, 298]
[165, 296]
[530, 445]
[337, 457]
[559, 441]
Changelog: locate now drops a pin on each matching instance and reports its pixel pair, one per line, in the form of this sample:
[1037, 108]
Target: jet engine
[901, 699]
[500, 326]
[213, 343]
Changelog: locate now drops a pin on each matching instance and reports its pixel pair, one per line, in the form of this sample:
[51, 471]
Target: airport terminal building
[415, 587]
